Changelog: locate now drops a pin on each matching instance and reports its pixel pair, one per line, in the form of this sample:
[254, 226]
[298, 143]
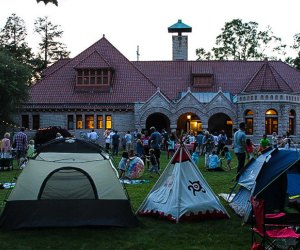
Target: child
[213, 162]
[195, 157]
[123, 165]
[250, 148]
[31, 149]
[171, 145]
[153, 161]
[228, 157]
[29, 154]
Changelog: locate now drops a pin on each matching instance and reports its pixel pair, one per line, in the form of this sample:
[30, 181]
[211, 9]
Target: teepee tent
[70, 183]
[181, 192]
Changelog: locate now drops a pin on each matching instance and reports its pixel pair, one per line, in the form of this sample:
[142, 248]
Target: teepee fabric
[181, 192]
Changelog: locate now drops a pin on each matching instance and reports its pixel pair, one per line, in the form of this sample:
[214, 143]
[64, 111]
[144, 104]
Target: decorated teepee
[181, 192]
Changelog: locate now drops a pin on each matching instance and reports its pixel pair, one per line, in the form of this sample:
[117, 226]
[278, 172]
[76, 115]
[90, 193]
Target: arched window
[292, 115]
[271, 121]
[249, 121]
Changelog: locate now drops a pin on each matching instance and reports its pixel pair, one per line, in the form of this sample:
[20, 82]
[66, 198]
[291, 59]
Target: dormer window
[93, 77]
[203, 80]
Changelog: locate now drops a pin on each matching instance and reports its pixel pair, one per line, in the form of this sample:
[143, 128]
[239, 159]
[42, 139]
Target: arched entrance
[159, 121]
[188, 122]
[220, 121]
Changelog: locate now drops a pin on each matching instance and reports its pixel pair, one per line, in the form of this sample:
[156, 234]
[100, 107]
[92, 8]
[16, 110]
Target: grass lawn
[154, 233]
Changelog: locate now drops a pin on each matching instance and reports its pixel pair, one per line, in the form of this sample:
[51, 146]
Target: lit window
[89, 121]
[292, 115]
[108, 122]
[249, 122]
[79, 121]
[99, 121]
[271, 122]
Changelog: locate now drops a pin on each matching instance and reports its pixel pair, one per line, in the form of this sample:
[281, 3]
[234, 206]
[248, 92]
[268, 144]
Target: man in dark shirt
[21, 144]
[155, 143]
[115, 143]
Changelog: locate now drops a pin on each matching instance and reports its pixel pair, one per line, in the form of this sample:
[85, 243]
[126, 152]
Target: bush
[44, 135]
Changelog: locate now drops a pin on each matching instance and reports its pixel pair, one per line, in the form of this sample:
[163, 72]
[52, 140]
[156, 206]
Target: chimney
[180, 42]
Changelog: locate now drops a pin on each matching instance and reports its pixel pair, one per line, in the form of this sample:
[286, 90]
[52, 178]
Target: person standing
[250, 148]
[5, 146]
[139, 146]
[199, 142]
[155, 143]
[222, 139]
[239, 147]
[207, 146]
[21, 143]
[171, 145]
[115, 143]
[128, 140]
[154, 162]
[107, 138]
[93, 136]
[274, 140]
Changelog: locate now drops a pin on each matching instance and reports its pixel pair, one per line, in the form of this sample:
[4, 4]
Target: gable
[126, 80]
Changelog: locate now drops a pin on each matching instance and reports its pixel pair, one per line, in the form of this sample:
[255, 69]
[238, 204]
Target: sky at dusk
[131, 23]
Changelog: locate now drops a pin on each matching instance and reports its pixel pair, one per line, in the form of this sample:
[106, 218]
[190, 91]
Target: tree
[50, 48]
[12, 37]
[243, 41]
[48, 1]
[295, 62]
[14, 79]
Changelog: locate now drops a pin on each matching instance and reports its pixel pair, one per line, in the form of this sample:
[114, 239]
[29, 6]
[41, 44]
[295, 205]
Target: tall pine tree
[51, 49]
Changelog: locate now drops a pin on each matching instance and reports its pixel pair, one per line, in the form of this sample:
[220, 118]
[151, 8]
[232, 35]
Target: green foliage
[51, 49]
[295, 62]
[243, 41]
[13, 38]
[154, 233]
[14, 79]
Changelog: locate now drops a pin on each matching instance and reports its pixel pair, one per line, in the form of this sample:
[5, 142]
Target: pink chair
[269, 233]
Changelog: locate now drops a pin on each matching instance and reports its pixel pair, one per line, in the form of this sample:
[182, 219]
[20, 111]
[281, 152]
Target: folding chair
[270, 234]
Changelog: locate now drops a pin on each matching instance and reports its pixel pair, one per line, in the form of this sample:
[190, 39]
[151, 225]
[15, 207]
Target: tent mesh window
[68, 183]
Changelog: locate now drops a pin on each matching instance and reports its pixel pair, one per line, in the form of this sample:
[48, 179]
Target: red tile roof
[267, 79]
[138, 81]
[128, 85]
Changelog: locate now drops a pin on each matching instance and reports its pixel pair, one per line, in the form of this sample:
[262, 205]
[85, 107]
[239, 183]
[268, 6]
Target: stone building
[101, 89]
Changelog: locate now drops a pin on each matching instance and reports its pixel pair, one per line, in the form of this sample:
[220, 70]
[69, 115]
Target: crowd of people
[148, 145]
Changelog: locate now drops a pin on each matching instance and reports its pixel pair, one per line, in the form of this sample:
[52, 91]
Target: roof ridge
[264, 70]
[89, 55]
[273, 69]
